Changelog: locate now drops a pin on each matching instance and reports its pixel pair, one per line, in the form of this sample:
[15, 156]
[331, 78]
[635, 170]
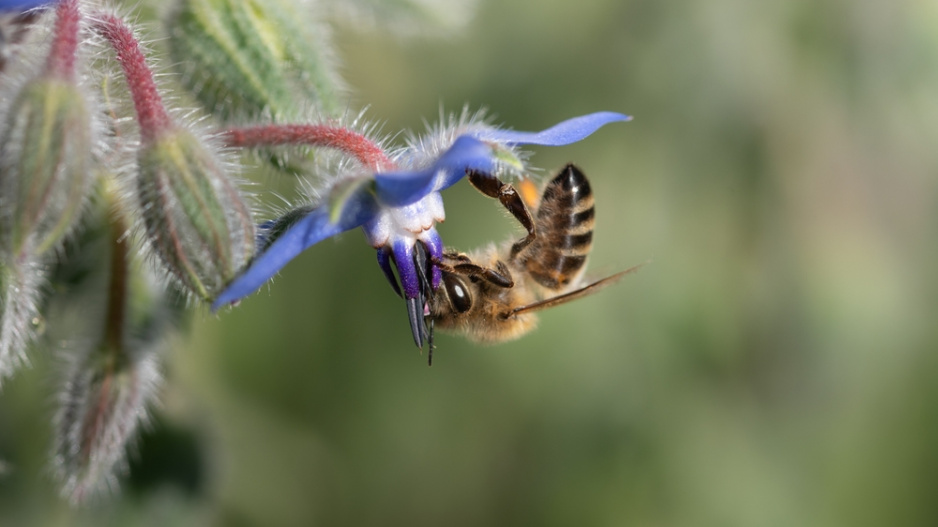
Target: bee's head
[478, 308]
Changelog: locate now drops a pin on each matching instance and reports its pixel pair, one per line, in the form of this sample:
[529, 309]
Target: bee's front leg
[493, 187]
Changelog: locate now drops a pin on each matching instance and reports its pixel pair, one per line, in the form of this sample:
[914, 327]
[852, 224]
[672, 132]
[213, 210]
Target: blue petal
[398, 189]
[22, 5]
[569, 131]
[307, 231]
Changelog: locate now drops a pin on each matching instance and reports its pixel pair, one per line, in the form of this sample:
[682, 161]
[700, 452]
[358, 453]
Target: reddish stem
[352, 143]
[61, 61]
[151, 114]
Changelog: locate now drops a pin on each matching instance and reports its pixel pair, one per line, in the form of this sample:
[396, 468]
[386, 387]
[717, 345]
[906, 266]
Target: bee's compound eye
[458, 293]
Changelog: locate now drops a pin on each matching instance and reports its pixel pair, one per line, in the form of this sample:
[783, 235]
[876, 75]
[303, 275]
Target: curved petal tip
[563, 133]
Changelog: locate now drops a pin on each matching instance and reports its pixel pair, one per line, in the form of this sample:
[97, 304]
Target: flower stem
[61, 61]
[151, 114]
[355, 144]
[112, 348]
[117, 289]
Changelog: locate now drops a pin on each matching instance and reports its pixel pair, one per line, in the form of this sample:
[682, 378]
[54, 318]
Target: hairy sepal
[194, 217]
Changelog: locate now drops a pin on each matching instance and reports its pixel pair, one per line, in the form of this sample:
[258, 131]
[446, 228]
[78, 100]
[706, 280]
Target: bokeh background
[776, 364]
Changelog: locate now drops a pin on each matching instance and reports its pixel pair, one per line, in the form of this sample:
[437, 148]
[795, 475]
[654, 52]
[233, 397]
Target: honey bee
[492, 295]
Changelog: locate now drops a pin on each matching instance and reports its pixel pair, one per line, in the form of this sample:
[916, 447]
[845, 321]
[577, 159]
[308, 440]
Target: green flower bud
[242, 58]
[45, 165]
[104, 400]
[195, 219]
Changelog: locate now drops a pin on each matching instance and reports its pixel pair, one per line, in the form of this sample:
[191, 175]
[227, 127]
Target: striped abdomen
[564, 230]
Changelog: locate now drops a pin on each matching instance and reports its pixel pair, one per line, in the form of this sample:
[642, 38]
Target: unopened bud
[244, 58]
[104, 401]
[45, 159]
[195, 219]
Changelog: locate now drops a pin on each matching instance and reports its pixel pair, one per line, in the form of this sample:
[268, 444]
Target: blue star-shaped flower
[398, 209]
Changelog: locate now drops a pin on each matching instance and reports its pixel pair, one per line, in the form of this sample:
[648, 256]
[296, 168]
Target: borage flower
[395, 199]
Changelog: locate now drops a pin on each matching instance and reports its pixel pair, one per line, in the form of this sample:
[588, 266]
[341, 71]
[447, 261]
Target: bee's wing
[573, 295]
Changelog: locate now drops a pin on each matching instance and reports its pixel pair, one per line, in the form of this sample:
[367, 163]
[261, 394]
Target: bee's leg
[493, 187]
[461, 264]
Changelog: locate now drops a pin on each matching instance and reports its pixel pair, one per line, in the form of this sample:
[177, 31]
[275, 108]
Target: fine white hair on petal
[423, 150]
[439, 136]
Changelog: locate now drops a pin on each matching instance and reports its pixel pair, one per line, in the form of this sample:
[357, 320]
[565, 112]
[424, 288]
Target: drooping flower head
[395, 198]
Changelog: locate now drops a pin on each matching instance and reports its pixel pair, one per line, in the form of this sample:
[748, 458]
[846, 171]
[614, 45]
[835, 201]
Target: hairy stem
[355, 144]
[61, 61]
[117, 288]
[151, 114]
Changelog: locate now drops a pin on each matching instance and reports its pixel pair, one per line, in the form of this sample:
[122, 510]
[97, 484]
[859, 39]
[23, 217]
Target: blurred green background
[775, 365]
